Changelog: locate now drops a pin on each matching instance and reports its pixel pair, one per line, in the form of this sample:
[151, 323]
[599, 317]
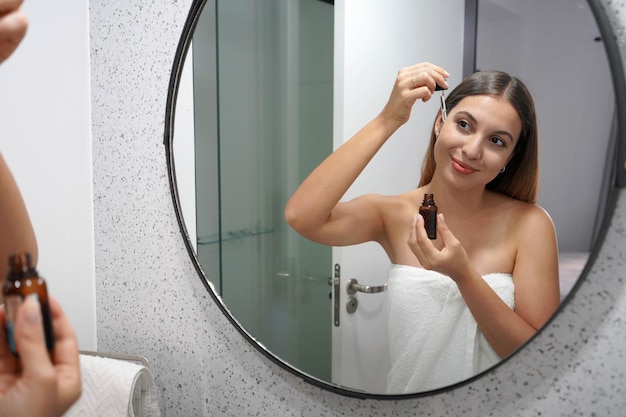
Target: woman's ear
[438, 124]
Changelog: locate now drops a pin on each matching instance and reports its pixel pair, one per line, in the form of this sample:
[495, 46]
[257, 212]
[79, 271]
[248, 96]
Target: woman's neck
[455, 201]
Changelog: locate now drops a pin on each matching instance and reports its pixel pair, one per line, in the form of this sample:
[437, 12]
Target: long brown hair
[520, 180]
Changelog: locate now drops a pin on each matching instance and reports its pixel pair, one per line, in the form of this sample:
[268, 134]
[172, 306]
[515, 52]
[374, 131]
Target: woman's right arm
[314, 209]
[16, 230]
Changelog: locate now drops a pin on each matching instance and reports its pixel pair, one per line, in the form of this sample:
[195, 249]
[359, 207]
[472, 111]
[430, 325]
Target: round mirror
[262, 91]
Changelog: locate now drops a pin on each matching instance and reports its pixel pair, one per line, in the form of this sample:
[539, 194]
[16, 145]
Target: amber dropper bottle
[428, 211]
[24, 281]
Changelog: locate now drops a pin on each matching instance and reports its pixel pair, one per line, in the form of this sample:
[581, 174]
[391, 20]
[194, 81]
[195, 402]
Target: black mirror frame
[617, 181]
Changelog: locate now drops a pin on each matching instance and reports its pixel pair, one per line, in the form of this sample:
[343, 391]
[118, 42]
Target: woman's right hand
[315, 211]
[413, 83]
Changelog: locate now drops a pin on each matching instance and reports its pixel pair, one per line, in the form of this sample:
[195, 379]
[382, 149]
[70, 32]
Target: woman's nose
[473, 147]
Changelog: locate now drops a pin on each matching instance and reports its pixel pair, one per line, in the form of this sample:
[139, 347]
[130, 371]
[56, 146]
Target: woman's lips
[461, 168]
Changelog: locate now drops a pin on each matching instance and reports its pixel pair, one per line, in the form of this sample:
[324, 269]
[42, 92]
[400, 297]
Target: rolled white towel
[115, 388]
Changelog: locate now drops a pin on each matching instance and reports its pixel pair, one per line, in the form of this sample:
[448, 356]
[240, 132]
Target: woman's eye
[463, 124]
[496, 140]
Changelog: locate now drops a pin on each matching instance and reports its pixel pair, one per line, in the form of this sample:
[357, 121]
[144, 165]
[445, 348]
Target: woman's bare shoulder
[374, 203]
[526, 217]
[396, 215]
[409, 202]
[385, 208]
[385, 201]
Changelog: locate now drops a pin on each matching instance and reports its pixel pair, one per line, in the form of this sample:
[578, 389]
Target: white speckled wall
[150, 300]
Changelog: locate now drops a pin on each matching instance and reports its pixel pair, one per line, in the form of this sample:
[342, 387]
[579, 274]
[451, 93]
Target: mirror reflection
[466, 291]
[266, 88]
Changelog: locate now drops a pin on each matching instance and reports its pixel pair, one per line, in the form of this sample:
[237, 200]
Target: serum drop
[24, 281]
[428, 210]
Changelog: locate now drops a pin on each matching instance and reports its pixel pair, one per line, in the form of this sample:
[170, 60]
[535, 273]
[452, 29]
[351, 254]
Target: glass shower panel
[273, 93]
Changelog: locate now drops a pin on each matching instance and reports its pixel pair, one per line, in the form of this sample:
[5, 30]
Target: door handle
[354, 286]
[335, 284]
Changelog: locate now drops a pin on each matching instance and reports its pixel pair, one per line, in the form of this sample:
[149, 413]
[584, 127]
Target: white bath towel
[115, 388]
[434, 340]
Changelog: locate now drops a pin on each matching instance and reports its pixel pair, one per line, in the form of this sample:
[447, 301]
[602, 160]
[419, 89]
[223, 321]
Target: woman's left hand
[448, 257]
[38, 383]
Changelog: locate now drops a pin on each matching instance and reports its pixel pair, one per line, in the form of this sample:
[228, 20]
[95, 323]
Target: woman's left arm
[535, 274]
[536, 270]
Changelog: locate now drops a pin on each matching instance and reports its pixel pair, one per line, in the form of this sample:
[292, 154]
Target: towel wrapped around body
[434, 340]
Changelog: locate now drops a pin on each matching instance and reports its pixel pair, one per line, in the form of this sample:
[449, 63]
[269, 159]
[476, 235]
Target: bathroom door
[365, 70]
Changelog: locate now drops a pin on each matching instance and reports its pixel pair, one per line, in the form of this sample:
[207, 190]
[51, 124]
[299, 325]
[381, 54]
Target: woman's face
[476, 141]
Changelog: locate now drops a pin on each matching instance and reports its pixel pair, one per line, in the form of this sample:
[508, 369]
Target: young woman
[460, 303]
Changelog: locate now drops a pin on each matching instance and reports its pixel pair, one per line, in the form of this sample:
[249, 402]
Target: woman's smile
[462, 168]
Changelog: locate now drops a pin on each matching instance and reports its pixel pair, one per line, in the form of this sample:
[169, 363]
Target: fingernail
[32, 309]
[441, 218]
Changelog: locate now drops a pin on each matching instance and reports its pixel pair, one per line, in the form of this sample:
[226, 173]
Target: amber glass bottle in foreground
[428, 210]
[24, 281]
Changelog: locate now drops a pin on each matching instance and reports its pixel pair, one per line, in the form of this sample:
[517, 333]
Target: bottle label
[12, 304]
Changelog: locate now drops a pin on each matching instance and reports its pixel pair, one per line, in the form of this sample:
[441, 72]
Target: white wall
[45, 108]
[520, 37]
